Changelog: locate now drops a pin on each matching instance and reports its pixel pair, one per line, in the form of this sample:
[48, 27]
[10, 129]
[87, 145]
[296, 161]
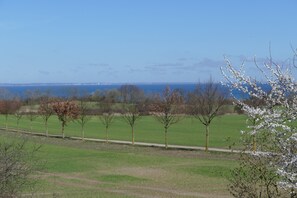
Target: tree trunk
[166, 143]
[132, 135]
[206, 137]
[31, 126]
[6, 118]
[82, 133]
[63, 135]
[46, 129]
[106, 134]
[17, 126]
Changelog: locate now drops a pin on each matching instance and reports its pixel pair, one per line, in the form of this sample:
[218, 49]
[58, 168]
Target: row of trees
[204, 103]
[18, 160]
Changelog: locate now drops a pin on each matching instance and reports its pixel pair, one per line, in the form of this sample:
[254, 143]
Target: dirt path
[141, 191]
[145, 144]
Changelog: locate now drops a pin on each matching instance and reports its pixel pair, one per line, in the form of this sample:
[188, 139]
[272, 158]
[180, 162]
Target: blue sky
[47, 41]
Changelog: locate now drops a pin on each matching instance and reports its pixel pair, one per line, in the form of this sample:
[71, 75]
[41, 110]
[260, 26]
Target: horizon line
[97, 83]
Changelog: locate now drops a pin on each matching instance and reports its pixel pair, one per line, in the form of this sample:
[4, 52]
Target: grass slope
[88, 169]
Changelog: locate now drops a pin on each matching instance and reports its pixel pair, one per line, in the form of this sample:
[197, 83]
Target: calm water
[71, 90]
[66, 90]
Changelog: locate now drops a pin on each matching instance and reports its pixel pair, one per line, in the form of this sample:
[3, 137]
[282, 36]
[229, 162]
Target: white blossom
[277, 115]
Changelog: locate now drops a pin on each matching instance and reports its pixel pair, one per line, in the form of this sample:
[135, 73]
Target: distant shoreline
[66, 89]
[99, 83]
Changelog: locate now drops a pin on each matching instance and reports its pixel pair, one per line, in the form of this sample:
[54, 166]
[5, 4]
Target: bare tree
[205, 103]
[97, 95]
[112, 95]
[8, 107]
[106, 117]
[18, 163]
[166, 110]
[31, 116]
[66, 111]
[18, 115]
[131, 93]
[130, 116]
[46, 111]
[254, 179]
[33, 97]
[83, 116]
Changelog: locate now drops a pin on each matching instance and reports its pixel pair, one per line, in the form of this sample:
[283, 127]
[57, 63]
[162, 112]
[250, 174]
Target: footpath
[145, 144]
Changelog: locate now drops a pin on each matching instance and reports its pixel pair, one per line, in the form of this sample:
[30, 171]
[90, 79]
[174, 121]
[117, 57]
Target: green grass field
[88, 169]
[187, 132]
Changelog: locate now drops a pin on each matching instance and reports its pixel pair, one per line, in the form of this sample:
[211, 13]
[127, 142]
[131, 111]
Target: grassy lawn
[187, 132]
[87, 169]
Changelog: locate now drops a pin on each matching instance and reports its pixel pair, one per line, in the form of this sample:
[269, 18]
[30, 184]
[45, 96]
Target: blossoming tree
[66, 111]
[277, 116]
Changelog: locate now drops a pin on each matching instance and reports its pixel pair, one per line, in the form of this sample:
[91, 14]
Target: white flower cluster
[277, 114]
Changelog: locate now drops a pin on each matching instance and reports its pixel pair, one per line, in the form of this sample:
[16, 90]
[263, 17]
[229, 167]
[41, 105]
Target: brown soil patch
[142, 191]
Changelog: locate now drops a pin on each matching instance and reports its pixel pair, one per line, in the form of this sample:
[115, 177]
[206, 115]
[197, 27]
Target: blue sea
[65, 90]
